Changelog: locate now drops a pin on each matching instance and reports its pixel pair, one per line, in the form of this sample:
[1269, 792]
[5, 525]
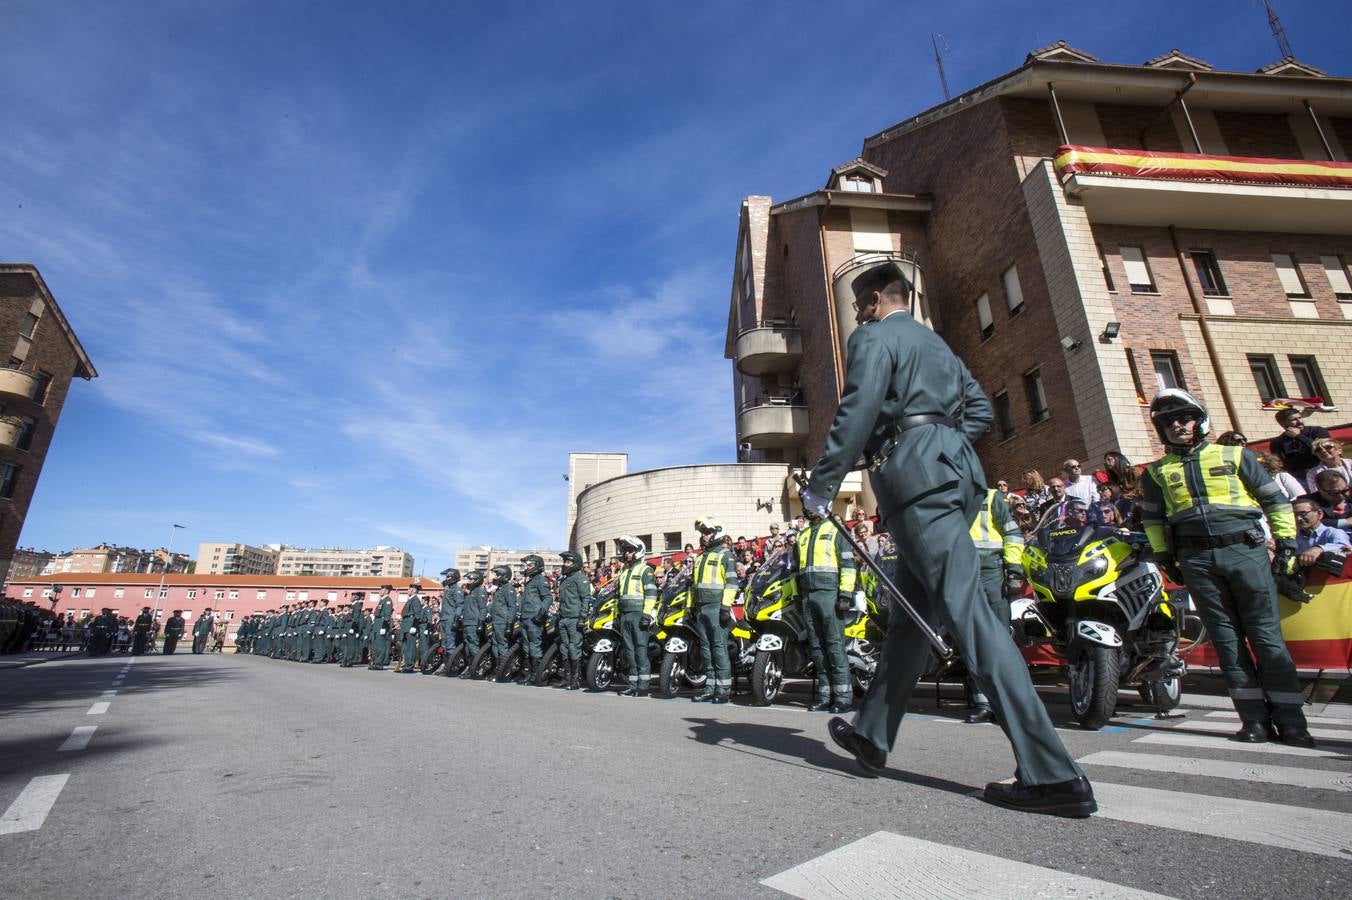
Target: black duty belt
[906, 423]
[1213, 541]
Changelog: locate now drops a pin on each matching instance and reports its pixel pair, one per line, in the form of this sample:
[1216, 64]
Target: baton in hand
[861, 553]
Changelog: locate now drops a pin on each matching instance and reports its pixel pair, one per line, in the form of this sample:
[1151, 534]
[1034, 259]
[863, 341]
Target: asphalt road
[232, 775]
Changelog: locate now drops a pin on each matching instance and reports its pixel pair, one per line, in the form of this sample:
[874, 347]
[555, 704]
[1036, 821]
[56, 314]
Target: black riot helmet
[502, 574]
[450, 576]
[532, 564]
[474, 579]
[571, 562]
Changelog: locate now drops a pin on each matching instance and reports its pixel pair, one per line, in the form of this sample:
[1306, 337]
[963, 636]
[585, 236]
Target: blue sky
[358, 274]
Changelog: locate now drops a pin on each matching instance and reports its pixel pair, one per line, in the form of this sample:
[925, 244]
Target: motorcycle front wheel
[1163, 695]
[456, 660]
[1094, 671]
[550, 665]
[767, 678]
[670, 674]
[482, 665]
[600, 671]
[432, 661]
[512, 663]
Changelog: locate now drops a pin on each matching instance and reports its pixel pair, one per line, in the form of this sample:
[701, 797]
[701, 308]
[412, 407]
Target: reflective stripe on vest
[631, 581]
[711, 572]
[1217, 471]
[983, 531]
[817, 548]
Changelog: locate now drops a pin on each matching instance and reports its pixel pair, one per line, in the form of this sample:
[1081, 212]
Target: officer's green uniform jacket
[413, 615]
[574, 595]
[476, 605]
[1210, 491]
[534, 596]
[174, 626]
[384, 615]
[637, 589]
[715, 576]
[504, 603]
[824, 568]
[452, 599]
[202, 626]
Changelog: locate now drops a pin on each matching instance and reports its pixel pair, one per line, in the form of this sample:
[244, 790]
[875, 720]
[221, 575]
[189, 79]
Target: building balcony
[24, 384]
[1191, 190]
[771, 424]
[766, 349]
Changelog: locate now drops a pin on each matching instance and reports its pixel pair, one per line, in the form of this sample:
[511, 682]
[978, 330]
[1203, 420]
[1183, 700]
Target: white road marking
[79, 738]
[1309, 720]
[99, 708]
[1330, 734]
[889, 865]
[1296, 828]
[108, 695]
[29, 810]
[1220, 768]
[1220, 743]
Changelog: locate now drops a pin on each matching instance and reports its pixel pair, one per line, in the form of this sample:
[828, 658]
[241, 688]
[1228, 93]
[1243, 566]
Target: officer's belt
[1210, 541]
[906, 423]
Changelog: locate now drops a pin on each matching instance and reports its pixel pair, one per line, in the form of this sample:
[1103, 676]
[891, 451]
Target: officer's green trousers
[501, 629]
[570, 639]
[826, 645]
[939, 574]
[532, 634]
[993, 590]
[412, 646]
[472, 636]
[634, 644]
[1234, 593]
[380, 646]
[713, 647]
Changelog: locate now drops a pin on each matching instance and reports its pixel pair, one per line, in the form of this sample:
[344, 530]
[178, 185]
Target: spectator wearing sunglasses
[1295, 445]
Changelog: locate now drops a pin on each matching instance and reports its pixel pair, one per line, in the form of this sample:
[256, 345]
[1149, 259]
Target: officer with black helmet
[472, 615]
[535, 600]
[503, 612]
[1202, 505]
[452, 601]
[636, 602]
[574, 599]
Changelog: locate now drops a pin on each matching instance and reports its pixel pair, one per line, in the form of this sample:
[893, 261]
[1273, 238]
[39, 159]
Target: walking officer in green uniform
[715, 585]
[503, 612]
[825, 577]
[472, 616]
[201, 630]
[911, 408]
[319, 632]
[1202, 505]
[452, 601]
[535, 600]
[173, 631]
[999, 545]
[636, 607]
[300, 650]
[352, 630]
[381, 623]
[574, 599]
[412, 625]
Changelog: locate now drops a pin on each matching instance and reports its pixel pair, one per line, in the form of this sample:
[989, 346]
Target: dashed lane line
[1174, 739]
[890, 865]
[1220, 768]
[98, 708]
[29, 810]
[79, 738]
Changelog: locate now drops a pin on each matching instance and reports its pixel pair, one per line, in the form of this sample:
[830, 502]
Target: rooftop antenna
[1278, 32]
[939, 60]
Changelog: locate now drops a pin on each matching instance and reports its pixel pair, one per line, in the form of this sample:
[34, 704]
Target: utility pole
[1278, 32]
[939, 61]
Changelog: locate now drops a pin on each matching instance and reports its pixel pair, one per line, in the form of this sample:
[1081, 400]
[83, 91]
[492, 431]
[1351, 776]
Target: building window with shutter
[1266, 377]
[1168, 374]
[1288, 273]
[1208, 270]
[1309, 380]
[1138, 271]
[1013, 290]
[1107, 274]
[983, 316]
[1336, 272]
[9, 477]
[1036, 396]
[1004, 414]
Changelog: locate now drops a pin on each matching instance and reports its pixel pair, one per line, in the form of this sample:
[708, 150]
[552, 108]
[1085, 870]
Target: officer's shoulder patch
[1226, 469]
[1175, 477]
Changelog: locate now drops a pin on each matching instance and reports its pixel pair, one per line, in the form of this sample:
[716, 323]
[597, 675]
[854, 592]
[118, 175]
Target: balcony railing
[772, 423]
[24, 384]
[768, 348]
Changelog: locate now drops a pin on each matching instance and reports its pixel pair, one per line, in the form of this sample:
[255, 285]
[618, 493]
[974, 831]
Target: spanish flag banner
[1072, 159]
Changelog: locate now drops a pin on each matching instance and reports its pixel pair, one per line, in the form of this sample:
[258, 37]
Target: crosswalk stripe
[79, 738]
[1174, 739]
[890, 865]
[1221, 768]
[99, 708]
[1269, 824]
[1310, 720]
[29, 809]
[1328, 734]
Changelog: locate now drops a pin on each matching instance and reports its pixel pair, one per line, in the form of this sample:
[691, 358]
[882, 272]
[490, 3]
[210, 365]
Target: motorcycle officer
[999, 548]
[636, 605]
[380, 629]
[535, 600]
[412, 623]
[825, 574]
[574, 599]
[503, 612]
[452, 600]
[472, 616]
[715, 586]
[1202, 505]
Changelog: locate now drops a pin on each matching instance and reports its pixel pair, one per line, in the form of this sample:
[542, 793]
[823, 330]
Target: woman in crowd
[1232, 439]
[1036, 494]
[1285, 480]
[1330, 455]
[1119, 471]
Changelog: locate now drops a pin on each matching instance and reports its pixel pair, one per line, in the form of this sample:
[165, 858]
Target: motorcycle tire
[670, 674]
[432, 661]
[600, 671]
[767, 678]
[482, 665]
[859, 682]
[550, 665]
[457, 660]
[1094, 672]
[512, 663]
[1162, 695]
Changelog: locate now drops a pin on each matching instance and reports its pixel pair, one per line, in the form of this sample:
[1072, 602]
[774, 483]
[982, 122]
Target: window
[1005, 413]
[1289, 275]
[75, 593]
[859, 184]
[192, 593]
[1266, 376]
[303, 596]
[28, 592]
[229, 614]
[1013, 290]
[44, 383]
[150, 592]
[8, 477]
[647, 540]
[1107, 274]
[89, 594]
[26, 434]
[1037, 398]
[164, 593]
[1167, 372]
[671, 540]
[983, 316]
[1138, 271]
[1208, 270]
[1308, 380]
[118, 593]
[332, 595]
[600, 549]
[1336, 273]
[290, 596]
[234, 595]
[1135, 377]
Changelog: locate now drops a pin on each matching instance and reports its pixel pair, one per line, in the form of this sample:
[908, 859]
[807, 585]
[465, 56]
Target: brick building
[44, 358]
[1074, 292]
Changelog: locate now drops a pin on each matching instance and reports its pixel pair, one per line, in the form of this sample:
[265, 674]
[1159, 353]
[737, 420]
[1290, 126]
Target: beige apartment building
[1075, 274]
[383, 561]
[586, 469]
[481, 559]
[217, 558]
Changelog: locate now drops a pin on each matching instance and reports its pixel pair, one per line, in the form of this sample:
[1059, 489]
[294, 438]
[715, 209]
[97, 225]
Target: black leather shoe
[721, 698]
[870, 758]
[841, 706]
[819, 706]
[1294, 736]
[703, 697]
[1252, 733]
[1072, 799]
[629, 692]
[979, 715]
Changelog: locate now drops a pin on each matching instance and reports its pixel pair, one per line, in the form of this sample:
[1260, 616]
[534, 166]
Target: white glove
[860, 602]
[814, 504]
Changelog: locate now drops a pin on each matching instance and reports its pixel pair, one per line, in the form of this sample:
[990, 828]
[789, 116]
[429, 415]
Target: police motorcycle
[457, 660]
[601, 642]
[1100, 605]
[778, 647]
[679, 641]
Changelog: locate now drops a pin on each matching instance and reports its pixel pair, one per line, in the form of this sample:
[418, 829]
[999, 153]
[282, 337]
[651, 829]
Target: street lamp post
[169, 551]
